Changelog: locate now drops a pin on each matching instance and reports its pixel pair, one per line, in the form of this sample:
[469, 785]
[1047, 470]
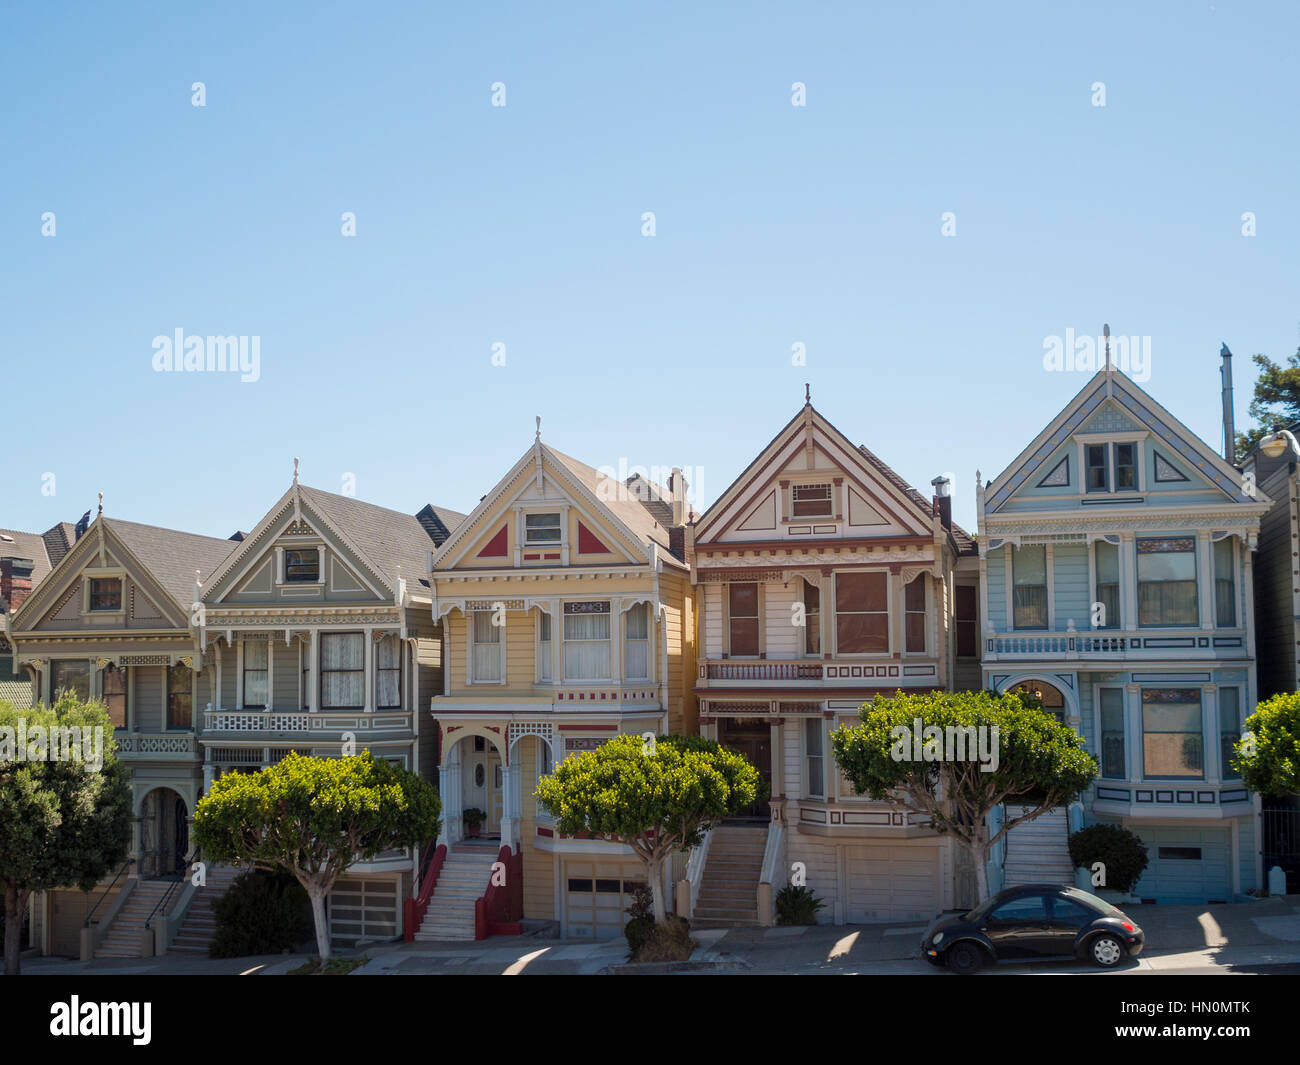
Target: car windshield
[1092, 900]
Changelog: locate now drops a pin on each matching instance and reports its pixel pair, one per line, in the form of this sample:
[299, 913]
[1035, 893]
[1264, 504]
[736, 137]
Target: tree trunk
[316, 892]
[655, 867]
[15, 903]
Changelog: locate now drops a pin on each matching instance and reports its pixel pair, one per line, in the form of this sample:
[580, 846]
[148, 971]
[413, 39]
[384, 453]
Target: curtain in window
[388, 674]
[636, 665]
[343, 670]
[586, 646]
[1029, 592]
[255, 678]
[486, 648]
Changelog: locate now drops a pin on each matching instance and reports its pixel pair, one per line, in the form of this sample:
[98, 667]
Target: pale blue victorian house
[1115, 557]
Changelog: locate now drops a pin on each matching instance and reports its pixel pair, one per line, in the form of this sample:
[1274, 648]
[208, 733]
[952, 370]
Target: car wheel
[1106, 951]
[965, 958]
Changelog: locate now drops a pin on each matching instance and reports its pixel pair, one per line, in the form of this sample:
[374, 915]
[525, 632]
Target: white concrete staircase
[124, 935]
[199, 925]
[728, 895]
[464, 878]
[1037, 852]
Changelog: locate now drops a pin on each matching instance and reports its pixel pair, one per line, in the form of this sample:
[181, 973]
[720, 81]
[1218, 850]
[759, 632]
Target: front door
[753, 739]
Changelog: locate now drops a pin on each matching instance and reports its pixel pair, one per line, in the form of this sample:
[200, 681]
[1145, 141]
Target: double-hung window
[388, 673]
[586, 641]
[914, 613]
[180, 697]
[256, 654]
[1112, 734]
[114, 687]
[861, 613]
[1225, 586]
[1172, 739]
[342, 670]
[1107, 593]
[1166, 573]
[636, 642]
[485, 648]
[814, 767]
[1029, 586]
[742, 613]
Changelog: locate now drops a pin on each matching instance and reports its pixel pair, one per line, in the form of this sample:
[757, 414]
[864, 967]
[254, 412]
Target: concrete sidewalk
[1178, 938]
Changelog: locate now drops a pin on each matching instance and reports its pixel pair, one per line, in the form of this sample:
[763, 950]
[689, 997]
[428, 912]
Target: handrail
[416, 907]
[125, 866]
[172, 887]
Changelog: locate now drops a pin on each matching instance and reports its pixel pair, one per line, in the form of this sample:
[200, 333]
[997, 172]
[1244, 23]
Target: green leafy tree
[977, 751]
[657, 797]
[1276, 403]
[63, 823]
[315, 818]
[1268, 753]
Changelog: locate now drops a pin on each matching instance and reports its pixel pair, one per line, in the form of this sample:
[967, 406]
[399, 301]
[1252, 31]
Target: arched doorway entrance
[164, 833]
[1040, 693]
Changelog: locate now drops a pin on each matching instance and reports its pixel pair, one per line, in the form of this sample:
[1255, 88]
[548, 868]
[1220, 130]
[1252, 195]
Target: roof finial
[101, 502]
[295, 469]
[538, 435]
[1105, 331]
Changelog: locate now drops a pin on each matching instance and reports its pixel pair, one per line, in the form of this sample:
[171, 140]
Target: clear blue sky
[522, 225]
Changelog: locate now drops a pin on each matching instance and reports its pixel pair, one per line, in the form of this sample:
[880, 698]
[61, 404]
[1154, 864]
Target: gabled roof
[1111, 384]
[171, 556]
[636, 509]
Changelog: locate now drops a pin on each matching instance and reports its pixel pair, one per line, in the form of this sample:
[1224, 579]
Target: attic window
[542, 528]
[106, 593]
[302, 566]
[811, 500]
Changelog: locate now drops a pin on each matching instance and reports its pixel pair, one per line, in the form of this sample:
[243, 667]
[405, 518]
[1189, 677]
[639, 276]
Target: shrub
[797, 905]
[261, 913]
[670, 941]
[1121, 852]
[638, 929]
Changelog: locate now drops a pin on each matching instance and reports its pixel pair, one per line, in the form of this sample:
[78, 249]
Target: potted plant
[474, 818]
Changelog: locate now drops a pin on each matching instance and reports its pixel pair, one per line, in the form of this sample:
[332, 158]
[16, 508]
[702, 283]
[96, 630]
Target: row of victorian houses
[1112, 576]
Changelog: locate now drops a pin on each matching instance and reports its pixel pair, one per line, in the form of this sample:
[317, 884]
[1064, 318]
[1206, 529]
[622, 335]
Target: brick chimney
[15, 581]
[943, 501]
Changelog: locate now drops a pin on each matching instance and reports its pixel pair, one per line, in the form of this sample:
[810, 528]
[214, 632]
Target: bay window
[342, 670]
[586, 641]
[485, 648]
[1166, 573]
[636, 643]
[1172, 738]
[742, 613]
[256, 656]
[861, 613]
[1029, 586]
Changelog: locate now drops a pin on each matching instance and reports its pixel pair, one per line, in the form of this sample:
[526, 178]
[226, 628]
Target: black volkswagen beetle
[1033, 921]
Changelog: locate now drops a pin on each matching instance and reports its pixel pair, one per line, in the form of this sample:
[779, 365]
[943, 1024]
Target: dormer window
[302, 566]
[811, 501]
[105, 593]
[542, 528]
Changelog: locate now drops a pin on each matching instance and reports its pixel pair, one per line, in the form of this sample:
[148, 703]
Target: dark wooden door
[755, 743]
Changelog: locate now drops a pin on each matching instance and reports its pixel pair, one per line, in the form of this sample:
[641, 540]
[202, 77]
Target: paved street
[1258, 937]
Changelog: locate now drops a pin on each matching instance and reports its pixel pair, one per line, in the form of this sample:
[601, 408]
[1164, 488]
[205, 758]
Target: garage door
[1186, 864]
[596, 896]
[892, 883]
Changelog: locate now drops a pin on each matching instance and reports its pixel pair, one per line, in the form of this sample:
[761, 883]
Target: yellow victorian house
[567, 612]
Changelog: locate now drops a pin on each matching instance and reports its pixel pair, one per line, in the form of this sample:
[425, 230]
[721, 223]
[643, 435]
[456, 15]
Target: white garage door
[892, 883]
[596, 897]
